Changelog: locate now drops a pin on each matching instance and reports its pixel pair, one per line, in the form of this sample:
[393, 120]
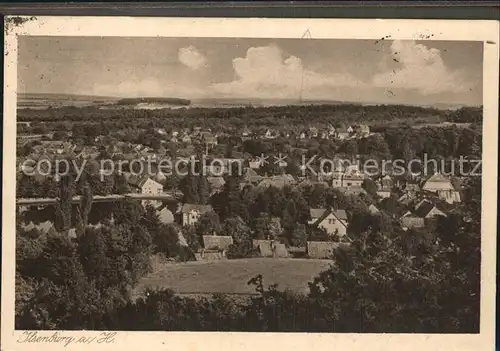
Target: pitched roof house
[336, 178]
[160, 131]
[331, 130]
[165, 215]
[279, 181]
[191, 213]
[313, 132]
[250, 176]
[42, 227]
[255, 163]
[406, 199]
[208, 138]
[411, 220]
[216, 242]
[411, 186]
[352, 179]
[333, 222]
[316, 213]
[426, 209]
[246, 132]
[343, 133]
[437, 182]
[312, 183]
[454, 195]
[449, 196]
[143, 184]
[373, 209]
[362, 130]
[186, 139]
[353, 190]
[270, 134]
[216, 184]
[384, 192]
[386, 182]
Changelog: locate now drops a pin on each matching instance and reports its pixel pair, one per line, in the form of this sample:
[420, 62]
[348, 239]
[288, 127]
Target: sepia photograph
[265, 183]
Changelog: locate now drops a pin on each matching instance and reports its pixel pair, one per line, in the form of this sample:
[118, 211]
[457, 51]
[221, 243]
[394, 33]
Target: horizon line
[298, 101]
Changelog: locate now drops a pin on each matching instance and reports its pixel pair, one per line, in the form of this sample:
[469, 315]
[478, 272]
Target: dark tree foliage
[64, 204]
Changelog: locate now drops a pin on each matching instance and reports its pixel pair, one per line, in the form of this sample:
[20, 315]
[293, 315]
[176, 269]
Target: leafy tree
[391, 206]
[92, 249]
[382, 287]
[27, 187]
[139, 251]
[195, 186]
[299, 236]
[166, 241]
[63, 206]
[370, 187]
[350, 147]
[228, 202]
[293, 169]
[289, 218]
[192, 238]
[155, 144]
[261, 225]
[242, 246]
[120, 185]
[59, 135]
[208, 224]
[64, 296]
[375, 146]
[83, 210]
[275, 229]
[318, 234]
[172, 182]
[127, 211]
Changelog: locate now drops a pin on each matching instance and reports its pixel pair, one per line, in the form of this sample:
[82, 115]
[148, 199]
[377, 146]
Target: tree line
[237, 116]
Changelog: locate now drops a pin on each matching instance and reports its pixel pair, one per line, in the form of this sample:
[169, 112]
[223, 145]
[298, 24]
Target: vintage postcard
[241, 184]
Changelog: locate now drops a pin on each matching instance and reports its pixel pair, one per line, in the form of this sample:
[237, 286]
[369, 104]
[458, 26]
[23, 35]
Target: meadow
[232, 276]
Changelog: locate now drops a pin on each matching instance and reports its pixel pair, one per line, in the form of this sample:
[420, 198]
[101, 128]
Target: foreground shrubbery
[387, 281]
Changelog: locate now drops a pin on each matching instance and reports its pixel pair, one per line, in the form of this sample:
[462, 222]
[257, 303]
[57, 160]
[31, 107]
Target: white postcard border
[454, 30]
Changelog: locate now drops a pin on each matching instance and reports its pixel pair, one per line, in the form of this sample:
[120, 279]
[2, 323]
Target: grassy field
[231, 276]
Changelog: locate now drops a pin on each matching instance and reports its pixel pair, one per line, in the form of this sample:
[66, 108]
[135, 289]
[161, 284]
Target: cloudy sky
[425, 72]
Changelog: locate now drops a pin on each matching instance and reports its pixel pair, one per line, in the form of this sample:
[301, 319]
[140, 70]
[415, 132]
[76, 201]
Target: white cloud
[192, 58]
[266, 73]
[419, 67]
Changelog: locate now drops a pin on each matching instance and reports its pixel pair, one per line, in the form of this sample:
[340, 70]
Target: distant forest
[278, 116]
[153, 100]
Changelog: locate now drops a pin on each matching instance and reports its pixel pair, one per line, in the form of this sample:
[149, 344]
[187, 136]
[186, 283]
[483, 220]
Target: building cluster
[423, 199]
[329, 132]
[187, 140]
[196, 134]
